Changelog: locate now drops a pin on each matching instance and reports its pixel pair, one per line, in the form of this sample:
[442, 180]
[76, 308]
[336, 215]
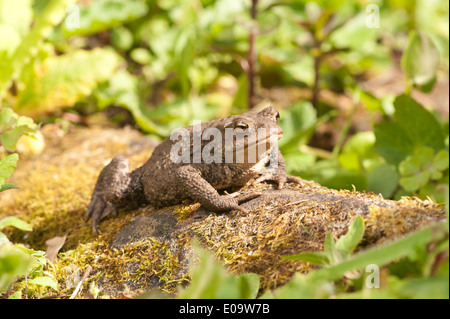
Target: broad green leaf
[103, 15]
[424, 288]
[240, 99]
[141, 55]
[425, 155]
[441, 160]
[64, 80]
[6, 117]
[359, 147]
[50, 16]
[211, 280]
[15, 222]
[44, 281]
[7, 166]
[349, 241]
[244, 286]
[3, 239]
[413, 127]
[410, 165]
[298, 122]
[13, 264]
[9, 138]
[414, 182]
[420, 59]
[383, 180]
[315, 257]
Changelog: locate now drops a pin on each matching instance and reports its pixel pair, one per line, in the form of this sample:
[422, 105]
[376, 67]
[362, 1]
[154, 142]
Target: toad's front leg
[197, 188]
[276, 171]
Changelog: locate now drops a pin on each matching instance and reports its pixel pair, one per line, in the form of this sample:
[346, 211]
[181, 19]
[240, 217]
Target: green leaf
[441, 160]
[7, 117]
[245, 286]
[44, 281]
[420, 59]
[52, 14]
[104, 15]
[409, 166]
[298, 121]
[348, 242]
[5, 187]
[329, 249]
[413, 127]
[184, 53]
[15, 222]
[65, 79]
[315, 257]
[383, 179]
[240, 99]
[211, 280]
[3, 239]
[425, 155]
[7, 166]
[13, 264]
[358, 148]
[9, 138]
[414, 182]
[16, 295]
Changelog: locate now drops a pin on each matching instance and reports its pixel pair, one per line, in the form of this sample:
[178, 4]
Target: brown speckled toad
[196, 165]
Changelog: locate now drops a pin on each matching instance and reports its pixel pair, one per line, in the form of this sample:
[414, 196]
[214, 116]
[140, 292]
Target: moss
[134, 268]
[185, 210]
[55, 188]
[282, 226]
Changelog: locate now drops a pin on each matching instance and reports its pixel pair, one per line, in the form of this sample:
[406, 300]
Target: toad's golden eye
[240, 126]
[277, 117]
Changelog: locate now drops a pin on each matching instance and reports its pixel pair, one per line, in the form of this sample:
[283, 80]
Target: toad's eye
[277, 117]
[240, 126]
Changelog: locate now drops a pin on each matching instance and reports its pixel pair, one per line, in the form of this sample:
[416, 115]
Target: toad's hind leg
[112, 190]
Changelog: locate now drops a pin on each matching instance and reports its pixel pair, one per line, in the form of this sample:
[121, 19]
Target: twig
[86, 274]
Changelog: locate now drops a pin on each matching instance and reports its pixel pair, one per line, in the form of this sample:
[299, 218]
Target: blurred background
[362, 87]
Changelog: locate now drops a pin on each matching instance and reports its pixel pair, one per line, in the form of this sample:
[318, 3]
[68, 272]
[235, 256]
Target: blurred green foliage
[169, 62]
[414, 267]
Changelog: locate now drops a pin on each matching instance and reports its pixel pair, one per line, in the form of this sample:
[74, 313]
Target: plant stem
[340, 142]
[252, 56]
[315, 91]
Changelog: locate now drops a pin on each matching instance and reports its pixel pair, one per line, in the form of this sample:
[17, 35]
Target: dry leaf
[53, 246]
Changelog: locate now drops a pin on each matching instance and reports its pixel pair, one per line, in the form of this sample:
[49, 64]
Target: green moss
[134, 268]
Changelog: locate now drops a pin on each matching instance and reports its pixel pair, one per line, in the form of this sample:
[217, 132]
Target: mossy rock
[149, 248]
